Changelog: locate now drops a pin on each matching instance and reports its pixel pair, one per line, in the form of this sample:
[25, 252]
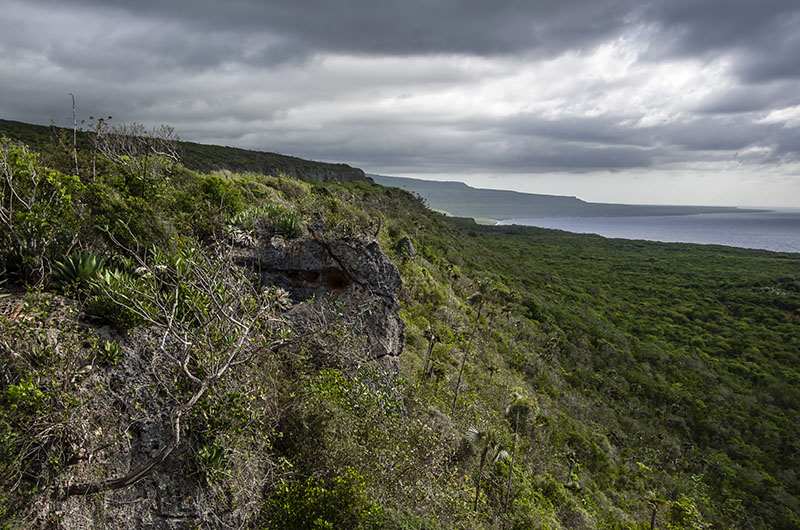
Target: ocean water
[777, 230]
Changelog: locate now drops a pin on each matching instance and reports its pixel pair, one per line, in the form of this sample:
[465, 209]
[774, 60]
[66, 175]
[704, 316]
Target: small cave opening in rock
[303, 277]
[335, 279]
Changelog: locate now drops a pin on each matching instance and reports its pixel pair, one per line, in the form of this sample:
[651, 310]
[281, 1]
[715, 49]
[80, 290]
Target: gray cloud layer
[439, 87]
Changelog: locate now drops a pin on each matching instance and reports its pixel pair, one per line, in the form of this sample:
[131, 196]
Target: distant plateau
[460, 200]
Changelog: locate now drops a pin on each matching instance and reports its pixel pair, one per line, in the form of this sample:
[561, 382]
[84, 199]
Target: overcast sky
[642, 101]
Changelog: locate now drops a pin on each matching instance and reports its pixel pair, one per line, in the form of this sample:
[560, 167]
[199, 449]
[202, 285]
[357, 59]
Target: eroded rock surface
[353, 272]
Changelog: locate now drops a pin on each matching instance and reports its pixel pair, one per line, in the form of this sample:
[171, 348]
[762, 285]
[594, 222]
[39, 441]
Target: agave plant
[246, 219]
[288, 225]
[100, 305]
[280, 218]
[81, 268]
[110, 353]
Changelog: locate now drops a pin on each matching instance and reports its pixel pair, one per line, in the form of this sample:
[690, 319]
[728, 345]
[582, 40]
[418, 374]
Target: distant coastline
[458, 199]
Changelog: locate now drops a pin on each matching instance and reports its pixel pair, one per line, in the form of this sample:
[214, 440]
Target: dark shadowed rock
[353, 271]
[406, 248]
[134, 402]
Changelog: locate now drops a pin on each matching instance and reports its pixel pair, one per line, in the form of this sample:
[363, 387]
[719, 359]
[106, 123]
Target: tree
[479, 298]
[39, 212]
[519, 408]
[492, 369]
[143, 155]
[655, 501]
[437, 371]
[432, 339]
[491, 451]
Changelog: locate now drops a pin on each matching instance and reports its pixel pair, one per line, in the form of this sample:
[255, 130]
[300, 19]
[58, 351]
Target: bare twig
[213, 335]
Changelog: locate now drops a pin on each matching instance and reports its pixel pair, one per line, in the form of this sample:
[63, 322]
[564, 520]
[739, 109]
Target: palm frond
[502, 454]
[474, 435]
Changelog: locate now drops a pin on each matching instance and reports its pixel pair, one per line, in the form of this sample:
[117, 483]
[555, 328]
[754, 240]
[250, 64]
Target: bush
[289, 187]
[276, 217]
[202, 203]
[39, 212]
[340, 502]
[129, 219]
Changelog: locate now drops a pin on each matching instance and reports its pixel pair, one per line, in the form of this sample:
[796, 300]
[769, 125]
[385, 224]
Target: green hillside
[184, 348]
[456, 198]
[200, 157]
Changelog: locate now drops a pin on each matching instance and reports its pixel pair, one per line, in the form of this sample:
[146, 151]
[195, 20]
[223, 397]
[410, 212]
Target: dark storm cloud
[714, 134]
[398, 28]
[763, 34]
[579, 157]
[485, 145]
[780, 59]
[445, 86]
[708, 25]
[605, 130]
[787, 145]
[607, 142]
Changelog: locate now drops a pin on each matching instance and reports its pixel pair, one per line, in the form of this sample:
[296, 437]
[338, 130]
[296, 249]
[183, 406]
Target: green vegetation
[199, 157]
[79, 269]
[549, 380]
[339, 502]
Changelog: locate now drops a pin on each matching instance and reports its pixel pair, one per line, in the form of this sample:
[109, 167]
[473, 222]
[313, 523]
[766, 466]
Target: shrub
[24, 394]
[202, 203]
[340, 502]
[129, 219]
[290, 188]
[38, 212]
[683, 513]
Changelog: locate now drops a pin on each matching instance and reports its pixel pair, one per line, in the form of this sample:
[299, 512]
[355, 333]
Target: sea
[777, 230]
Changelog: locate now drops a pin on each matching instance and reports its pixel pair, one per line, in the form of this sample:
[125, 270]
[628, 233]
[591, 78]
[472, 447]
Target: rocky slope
[127, 407]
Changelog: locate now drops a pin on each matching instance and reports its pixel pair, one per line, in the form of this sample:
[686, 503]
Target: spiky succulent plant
[80, 268]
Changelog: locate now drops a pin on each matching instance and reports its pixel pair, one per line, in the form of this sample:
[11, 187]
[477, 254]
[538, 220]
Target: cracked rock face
[353, 272]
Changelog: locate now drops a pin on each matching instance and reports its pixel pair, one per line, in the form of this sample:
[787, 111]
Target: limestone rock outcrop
[354, 272]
